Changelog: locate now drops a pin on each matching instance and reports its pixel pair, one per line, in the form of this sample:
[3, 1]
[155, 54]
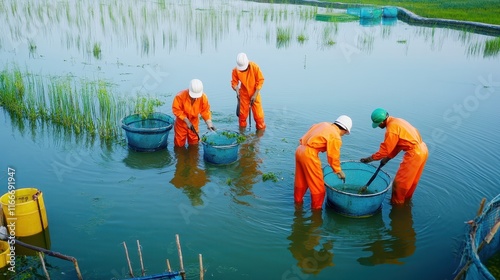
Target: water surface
[99, 196]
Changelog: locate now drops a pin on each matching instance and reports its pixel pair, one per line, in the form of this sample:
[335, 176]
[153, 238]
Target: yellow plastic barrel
[24, 211]
[4, 253]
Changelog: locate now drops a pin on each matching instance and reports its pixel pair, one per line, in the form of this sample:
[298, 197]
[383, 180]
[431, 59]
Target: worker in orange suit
[321, 137]
[187, 106]
[247, 81]
[400, 135]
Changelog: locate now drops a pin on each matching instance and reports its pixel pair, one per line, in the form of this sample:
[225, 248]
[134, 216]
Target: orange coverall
[251, 80]
[183, 107]
[402, 136]
[320, 137]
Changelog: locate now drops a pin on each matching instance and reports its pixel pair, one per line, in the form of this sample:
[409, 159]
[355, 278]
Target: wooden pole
[53, 254]
[43, 265]
[128, 261]
[168, 266]
[201, 267]
[140, 258]
[481, 206]
[182, 272]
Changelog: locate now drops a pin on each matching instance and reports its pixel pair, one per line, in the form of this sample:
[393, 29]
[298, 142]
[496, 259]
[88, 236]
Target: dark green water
[99, 196]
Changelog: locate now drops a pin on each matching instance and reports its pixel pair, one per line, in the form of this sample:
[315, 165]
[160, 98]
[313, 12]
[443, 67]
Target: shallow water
[99, 196]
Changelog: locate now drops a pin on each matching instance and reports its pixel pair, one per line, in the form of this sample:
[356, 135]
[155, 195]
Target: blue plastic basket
[345, 198]
[147, 134]
[220, 147]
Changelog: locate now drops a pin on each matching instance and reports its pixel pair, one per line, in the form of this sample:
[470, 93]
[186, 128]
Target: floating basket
[147, 134]
[221, 147]
[345, 198]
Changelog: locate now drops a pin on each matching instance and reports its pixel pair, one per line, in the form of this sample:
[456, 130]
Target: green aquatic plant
[336, 17]
[283, 37]
[270, 176]
[97, 50]
[145, 106]
[239, 137]
[301, 38]
[75, 105]
[492, 47]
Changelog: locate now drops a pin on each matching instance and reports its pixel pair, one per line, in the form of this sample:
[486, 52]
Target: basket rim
[389, 185]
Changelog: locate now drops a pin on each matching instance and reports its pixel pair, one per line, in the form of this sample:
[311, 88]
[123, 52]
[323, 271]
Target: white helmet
[195, 88]
[241, 62]
[345, 122]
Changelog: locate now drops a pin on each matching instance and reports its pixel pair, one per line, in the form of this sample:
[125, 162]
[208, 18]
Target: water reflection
[41, 239]
[400, 242]
[148, 160]
[188, 175]
[312, 252]
[246, 170]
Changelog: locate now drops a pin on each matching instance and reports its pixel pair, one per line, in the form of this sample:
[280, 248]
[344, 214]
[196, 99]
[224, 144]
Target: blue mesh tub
[345, 198]
[147, 134]
[221, 147]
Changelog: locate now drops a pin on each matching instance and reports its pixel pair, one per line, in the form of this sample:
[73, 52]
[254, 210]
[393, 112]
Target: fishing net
[482, 243]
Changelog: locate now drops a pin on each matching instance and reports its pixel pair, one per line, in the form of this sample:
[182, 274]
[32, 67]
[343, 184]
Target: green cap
[378, 116]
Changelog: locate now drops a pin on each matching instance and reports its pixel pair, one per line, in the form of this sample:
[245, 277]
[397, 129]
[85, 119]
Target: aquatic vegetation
[76, 105]
[301, 38]
[270, 176]
[283, 37]
[240, 138]
[336, 17]
[492, 47]
[96, 51]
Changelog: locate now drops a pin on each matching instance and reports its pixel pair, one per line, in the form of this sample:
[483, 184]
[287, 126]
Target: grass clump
[283, 37]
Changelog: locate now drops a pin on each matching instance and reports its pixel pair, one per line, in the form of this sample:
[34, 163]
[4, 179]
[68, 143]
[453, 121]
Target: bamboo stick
[168, 266]
[183, 274]
[77, 268]
[53, 254]
[201, 267]
[140, 258]
[43, 265]
[481, 206]
[128, 261]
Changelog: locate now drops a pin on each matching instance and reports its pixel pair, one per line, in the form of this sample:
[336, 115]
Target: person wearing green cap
[400, 135]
